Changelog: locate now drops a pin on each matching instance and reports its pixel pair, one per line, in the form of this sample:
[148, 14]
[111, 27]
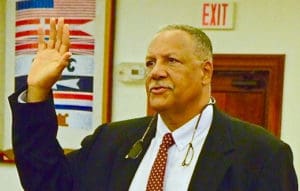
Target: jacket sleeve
[278, 173]
[40, 160]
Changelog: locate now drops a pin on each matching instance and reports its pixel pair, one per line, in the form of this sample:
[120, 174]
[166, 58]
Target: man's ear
[207, 69]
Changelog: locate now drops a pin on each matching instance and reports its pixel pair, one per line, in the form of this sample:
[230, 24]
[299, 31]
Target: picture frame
[108, 60]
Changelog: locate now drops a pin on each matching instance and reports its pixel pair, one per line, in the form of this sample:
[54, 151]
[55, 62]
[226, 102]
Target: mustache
[159, 84]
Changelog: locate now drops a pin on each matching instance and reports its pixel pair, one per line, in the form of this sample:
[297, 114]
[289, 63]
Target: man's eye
[149, 63]
[172, 60]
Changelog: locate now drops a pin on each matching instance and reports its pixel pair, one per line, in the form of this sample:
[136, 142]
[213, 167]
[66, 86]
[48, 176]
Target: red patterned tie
[156, 178]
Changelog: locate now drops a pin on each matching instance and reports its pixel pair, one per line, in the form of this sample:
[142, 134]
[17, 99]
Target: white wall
[9, 179]
[261, 27]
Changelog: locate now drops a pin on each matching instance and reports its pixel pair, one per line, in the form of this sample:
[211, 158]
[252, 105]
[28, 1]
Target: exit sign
[217, 15]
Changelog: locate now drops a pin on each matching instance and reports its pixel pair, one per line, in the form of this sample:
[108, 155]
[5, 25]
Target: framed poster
[82, 96]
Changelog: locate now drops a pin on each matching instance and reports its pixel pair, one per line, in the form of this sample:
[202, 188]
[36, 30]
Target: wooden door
[242, 94]
[250, 87]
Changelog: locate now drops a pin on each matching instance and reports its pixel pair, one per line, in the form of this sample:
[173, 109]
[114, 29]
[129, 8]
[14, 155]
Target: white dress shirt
[177, 177]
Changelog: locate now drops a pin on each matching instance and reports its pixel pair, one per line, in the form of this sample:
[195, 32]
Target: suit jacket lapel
[215, 157]
[124, 169]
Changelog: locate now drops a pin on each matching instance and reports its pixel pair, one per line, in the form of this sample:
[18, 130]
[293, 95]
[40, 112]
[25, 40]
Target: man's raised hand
[51, 59]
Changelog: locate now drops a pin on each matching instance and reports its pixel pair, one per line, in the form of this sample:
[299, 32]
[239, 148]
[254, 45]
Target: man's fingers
[65, 40]
[41, 40]
[59, 33]
[52, 35]
[65, 60]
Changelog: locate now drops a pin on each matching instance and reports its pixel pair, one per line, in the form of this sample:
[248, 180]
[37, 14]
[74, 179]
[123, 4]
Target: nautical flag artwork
[73, 93]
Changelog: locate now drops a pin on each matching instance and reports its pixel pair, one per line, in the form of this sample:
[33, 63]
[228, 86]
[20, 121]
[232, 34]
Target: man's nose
[158, 71]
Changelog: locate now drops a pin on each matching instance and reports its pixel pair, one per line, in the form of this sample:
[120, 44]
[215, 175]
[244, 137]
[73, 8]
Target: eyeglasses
[190, 151]
[188, 156]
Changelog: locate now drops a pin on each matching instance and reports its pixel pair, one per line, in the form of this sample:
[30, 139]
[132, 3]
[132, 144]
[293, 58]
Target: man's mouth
[159, 89]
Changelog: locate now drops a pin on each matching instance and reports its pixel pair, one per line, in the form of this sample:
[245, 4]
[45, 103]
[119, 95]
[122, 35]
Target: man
[210, 151]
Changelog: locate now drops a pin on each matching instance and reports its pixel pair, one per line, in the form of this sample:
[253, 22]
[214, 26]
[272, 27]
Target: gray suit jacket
[236, 156]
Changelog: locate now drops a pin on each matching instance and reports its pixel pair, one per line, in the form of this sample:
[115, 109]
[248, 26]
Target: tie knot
[168, 140]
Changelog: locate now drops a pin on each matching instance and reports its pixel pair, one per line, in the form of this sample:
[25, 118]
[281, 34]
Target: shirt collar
[183, 135]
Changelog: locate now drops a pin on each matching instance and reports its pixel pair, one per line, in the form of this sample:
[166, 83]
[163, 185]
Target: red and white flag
[73, 93]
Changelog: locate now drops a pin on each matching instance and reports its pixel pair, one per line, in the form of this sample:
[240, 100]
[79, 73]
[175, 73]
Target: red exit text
[216, 14]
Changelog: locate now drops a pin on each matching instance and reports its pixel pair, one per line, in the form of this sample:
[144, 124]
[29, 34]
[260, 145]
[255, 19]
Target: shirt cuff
[22, 98]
